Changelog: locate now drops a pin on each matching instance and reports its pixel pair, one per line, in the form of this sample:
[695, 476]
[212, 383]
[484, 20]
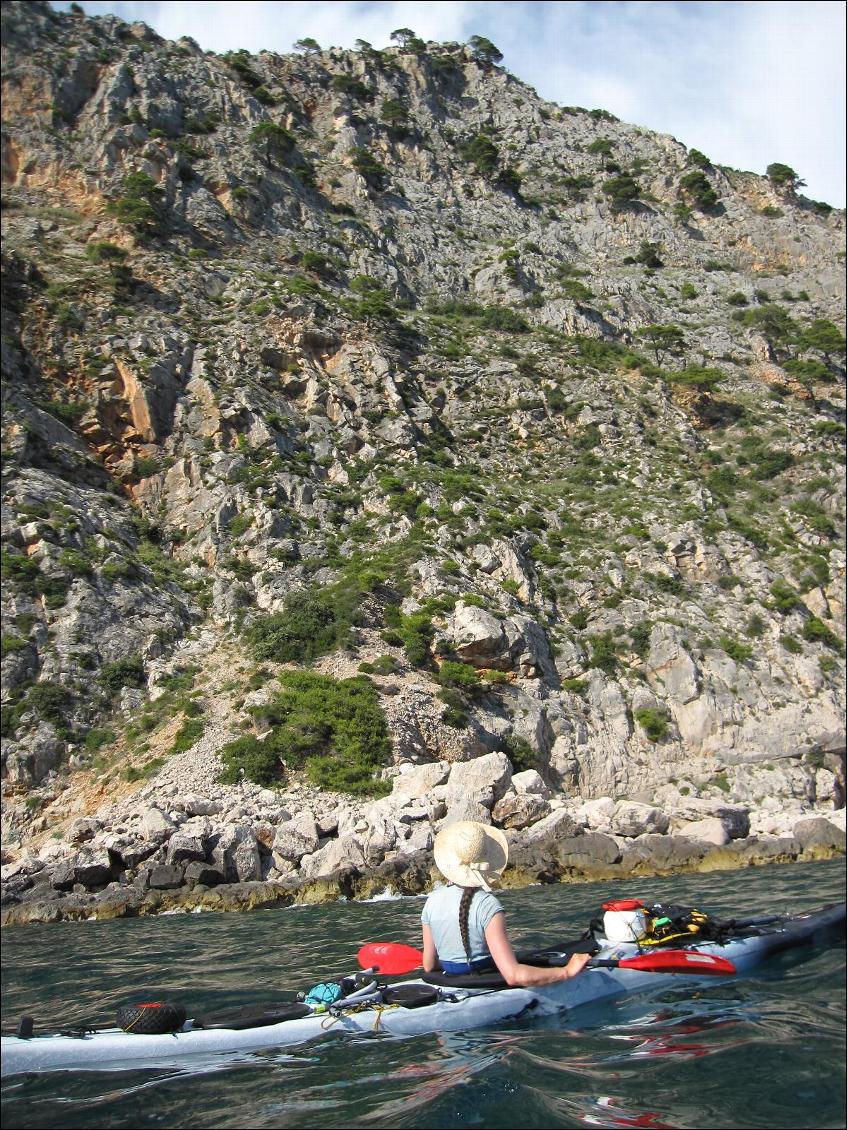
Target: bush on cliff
[310, 624]
[334, 729]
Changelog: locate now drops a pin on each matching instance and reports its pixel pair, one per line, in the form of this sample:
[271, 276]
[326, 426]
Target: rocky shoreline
[243, 847]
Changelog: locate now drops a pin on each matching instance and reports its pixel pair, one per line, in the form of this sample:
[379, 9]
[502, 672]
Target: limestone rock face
[415, 401]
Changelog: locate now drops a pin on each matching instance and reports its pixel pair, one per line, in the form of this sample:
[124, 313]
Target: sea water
[766, 1050]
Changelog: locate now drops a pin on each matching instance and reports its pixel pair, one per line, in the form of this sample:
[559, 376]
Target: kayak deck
[454, 1010]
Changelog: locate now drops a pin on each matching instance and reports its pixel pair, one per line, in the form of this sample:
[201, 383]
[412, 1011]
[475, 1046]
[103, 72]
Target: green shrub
[481, 152]
[416, 632]
[95, 739]
[248, 757]
[697, 189]
[382, 665]
[310, 624]
[783, 176]
[623, 191]
[138, 208]
[575, 686]
[276, 139]
[9, 644]
[189, 732]
[367, 166]
[504, 319]
[453, 674]
[50, 701]
[755, 626]
[483, 51]
[127, 672]
[351, 86]
[785, 598]
[639, 634]
[25, 572]
[816, 631]
[335, 730]
[395, 114]
[576, 291]
[522, 755]
[653, 721]
[603, 653]
[737, 651]
[602, 146]
[809, 371]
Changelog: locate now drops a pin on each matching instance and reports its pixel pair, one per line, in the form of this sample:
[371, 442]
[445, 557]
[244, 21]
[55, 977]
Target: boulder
[488, 776]
[558, 825]
[653, 853]
[632, 819]
[156, 825]
[420, 780]
[236, 854]
[90, 867]
[709, 830]
[335, 858]
[530, 781]
[518, 810]
[295, 838]
[165, 877]
[465, 807]
[84, 829]
[194, 805]
[197, 872]
[182, 849]
[734, 818]
[817, 831]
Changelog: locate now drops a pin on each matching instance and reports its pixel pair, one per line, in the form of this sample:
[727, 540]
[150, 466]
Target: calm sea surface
[763, 1051]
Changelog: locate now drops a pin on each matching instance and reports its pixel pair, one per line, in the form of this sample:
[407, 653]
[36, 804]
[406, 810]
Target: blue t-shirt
[441, 914]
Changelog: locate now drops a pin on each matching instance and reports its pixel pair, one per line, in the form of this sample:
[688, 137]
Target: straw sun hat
[469, 854]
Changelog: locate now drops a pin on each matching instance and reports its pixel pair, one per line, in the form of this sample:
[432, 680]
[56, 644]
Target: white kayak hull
[458, 1009]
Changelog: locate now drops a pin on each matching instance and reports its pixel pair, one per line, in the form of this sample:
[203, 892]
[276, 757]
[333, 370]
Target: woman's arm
[515, 973]
[430, 954]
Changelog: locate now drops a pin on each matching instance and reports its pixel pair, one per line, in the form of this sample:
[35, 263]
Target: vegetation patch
[334, 729]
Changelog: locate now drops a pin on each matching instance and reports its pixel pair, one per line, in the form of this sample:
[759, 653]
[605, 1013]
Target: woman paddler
[464, 927]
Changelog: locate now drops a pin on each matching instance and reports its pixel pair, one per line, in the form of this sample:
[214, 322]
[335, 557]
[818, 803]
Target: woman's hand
[575, 966]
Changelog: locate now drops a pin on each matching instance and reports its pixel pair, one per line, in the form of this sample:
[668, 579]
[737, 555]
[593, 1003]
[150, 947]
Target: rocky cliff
[372, 426]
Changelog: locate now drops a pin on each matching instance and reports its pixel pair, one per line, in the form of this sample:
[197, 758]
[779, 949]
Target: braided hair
[464, 914]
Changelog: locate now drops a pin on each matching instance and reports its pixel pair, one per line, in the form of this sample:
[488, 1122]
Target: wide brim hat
[470, 854]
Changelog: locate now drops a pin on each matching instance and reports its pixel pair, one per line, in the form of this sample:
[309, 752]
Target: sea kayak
[454, 1004]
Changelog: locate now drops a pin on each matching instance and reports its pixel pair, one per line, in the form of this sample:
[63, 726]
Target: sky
[746, 83]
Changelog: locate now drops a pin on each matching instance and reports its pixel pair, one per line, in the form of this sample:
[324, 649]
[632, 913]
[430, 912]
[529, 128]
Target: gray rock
[816, 831]
[530, 781]
[485, 778]
[295, 838]
[156, 825]
[631, 819]
[709, 830]
[197, 873]
[517, 810]
[165, 877]
[235, 853]
[182, 849]
[90, 868]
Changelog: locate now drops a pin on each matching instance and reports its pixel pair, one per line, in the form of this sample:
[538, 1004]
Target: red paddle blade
[390, 957]
[679, 961]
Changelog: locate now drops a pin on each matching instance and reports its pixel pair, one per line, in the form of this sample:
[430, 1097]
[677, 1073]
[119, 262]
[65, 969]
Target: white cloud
[746, 82]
